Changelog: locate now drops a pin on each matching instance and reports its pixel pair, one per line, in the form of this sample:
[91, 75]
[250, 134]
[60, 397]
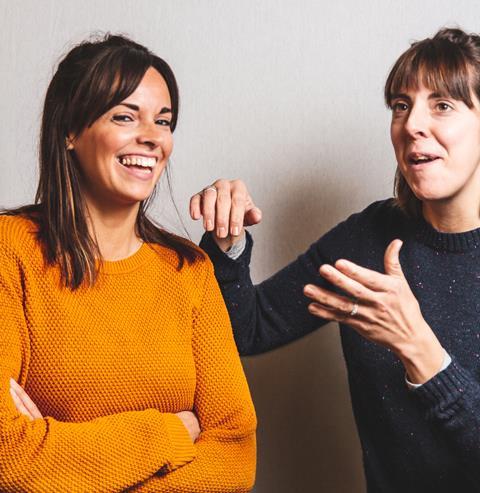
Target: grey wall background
[286, 95]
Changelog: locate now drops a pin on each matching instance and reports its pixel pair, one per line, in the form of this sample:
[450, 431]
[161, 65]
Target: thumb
[253, 215]
[392, 260]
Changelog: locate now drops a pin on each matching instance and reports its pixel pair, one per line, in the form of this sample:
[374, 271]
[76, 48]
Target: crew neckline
[449, 242]
[130, 263]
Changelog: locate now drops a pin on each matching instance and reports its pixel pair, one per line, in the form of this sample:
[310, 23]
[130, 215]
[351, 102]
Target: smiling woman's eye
[399, 106]
[162, 121]
[122, 118]
[442, 106]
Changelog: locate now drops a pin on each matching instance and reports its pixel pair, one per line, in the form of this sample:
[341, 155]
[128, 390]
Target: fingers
[327, 300]
[392, 259]
[370, 279]
[22, 401]
[226, 207]
[350, 286]
[238, 208]
[208, 208]
[190, 421]
[223, 206]
[323, 312]
[196, 206]
[19, 404]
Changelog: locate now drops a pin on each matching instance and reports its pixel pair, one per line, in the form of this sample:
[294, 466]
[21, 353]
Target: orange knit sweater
[108, 366]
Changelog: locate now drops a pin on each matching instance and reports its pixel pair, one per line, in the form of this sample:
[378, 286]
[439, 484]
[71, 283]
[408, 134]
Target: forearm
[423, 355]
[451, 400]
[221, 466]
[269, 314]
[108, 454]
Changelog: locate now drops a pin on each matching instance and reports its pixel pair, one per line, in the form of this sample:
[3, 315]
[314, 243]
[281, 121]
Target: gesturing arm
[274, 312]
[388, 313]
[110, 453]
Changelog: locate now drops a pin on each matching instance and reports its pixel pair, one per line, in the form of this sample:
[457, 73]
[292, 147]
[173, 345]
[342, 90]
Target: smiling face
[123, 153]
[437, 145]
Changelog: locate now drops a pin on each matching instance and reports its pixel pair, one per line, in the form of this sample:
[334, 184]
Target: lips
[417, 158]
[140, 162]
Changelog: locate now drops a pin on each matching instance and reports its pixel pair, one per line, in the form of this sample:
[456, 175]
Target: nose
[149, 135]
[416, 123]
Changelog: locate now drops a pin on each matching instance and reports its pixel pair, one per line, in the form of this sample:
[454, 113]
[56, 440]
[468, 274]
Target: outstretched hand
[383, 310]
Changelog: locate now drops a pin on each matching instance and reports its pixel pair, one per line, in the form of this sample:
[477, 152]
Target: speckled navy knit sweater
[426, 440]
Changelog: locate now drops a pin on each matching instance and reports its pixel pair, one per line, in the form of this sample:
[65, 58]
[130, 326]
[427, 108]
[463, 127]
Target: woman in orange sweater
[118, 369]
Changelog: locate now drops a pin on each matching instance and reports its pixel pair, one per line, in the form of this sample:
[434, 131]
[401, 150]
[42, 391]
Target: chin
[432, 195]
[430, 190]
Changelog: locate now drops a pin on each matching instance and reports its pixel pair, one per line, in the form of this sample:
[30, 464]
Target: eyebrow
[433, 95]
[135, 107]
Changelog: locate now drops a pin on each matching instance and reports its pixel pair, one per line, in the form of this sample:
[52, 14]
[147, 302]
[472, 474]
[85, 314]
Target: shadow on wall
[307, 441]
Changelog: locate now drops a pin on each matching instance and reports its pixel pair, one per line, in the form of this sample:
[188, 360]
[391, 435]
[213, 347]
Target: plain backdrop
[284, 94]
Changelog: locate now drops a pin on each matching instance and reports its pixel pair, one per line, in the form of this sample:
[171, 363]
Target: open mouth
[416, 158]
[142, 163]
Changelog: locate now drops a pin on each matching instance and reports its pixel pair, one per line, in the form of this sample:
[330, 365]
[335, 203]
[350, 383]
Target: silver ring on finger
[206, 189]
[354, 310]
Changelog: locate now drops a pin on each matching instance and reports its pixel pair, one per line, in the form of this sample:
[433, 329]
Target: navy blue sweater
[426, 440]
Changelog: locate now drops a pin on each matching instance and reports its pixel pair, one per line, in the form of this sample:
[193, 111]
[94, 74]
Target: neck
[114, 229]
[448, 217]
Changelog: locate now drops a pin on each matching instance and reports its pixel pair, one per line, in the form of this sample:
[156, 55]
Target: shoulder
[366, 231]
[17, 233]
[193, 274]
[378, 213]
[379, 217]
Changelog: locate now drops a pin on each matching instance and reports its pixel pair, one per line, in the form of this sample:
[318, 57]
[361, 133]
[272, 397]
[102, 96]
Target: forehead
[434, 80]
[152, 90]
[444, 71]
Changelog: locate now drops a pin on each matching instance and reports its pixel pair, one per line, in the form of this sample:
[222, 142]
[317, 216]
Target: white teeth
[146, 162]
[421, 158]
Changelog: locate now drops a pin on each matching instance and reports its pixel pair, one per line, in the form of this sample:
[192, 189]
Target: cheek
[396, 138]
[167, 146]
[461, 140]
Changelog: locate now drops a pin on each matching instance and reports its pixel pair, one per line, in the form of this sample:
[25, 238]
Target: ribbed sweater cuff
[183, 449]
[227, 268]
[442, 394]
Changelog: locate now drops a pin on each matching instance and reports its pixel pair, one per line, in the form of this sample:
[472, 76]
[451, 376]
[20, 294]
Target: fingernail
[221, 233]
[235, 231]
[308, 290]
[209, 225]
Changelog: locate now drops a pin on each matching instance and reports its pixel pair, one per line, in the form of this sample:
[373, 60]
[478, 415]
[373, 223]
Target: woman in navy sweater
[402, 278]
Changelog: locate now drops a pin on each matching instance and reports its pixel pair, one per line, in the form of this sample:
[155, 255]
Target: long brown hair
[91, 79]
[448, 63]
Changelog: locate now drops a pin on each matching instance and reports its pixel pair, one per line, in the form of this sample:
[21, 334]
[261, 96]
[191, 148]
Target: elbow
[238, 468]
[246, 469]
[18, 454]
[12, 477]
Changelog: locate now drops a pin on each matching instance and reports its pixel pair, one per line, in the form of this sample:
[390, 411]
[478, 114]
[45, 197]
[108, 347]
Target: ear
[69, 143]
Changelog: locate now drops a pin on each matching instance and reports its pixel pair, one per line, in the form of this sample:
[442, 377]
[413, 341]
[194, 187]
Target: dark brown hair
[91, 79]
[448, 63]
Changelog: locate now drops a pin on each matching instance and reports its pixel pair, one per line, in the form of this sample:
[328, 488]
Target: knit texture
[421, 441]
[109, 366]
